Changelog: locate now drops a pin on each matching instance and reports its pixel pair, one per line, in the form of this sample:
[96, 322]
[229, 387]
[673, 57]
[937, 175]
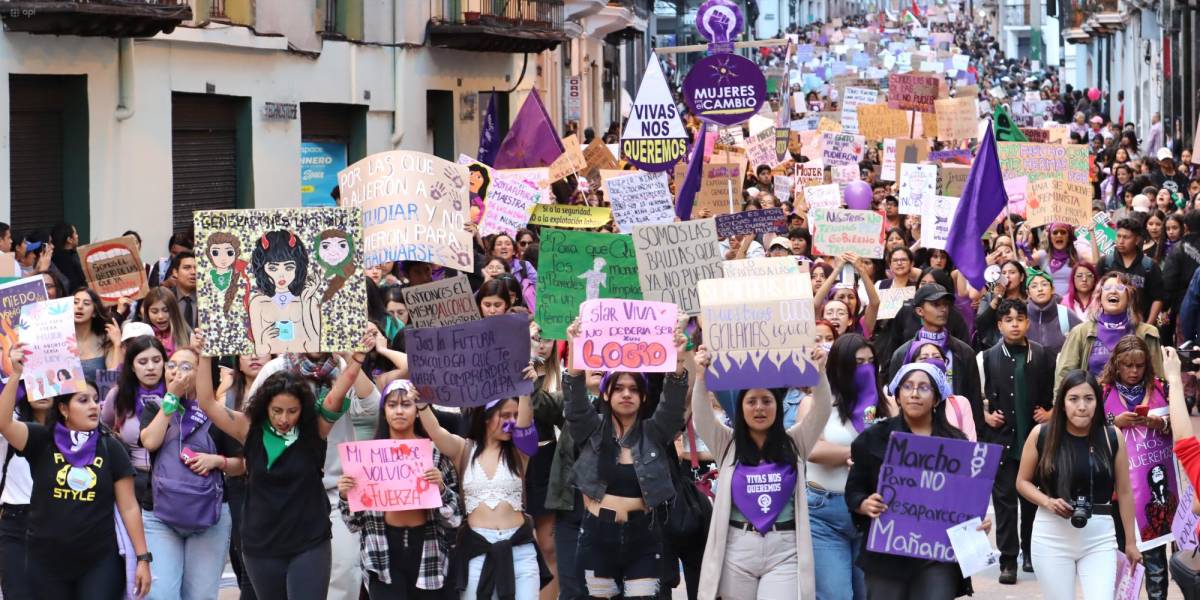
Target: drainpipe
[397, 134]
[124, 79]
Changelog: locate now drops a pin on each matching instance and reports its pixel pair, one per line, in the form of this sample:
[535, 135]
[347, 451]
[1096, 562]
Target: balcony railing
[216, 10]
[496, 25]
[107, 18]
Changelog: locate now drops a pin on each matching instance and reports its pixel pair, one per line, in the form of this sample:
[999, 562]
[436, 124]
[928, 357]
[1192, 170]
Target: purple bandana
[524, 438]
[143, 395]
[192, 418]
[762, 491]
[939, 339]
[863, 413]
[1058, 258]
[78, 447]
[1111, 328]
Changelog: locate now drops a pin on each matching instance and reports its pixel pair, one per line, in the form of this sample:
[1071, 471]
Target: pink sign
[626, 335]
[389, 474]
[52, 368]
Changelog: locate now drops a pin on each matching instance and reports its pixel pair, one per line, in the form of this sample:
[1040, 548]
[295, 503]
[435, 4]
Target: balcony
[496, 25]
[107, 18]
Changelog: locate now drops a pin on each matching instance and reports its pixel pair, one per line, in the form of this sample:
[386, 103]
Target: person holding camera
[1070, 468]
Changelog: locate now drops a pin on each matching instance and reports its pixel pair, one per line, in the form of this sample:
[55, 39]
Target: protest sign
[570, 161]
[912, 91]
[784, 187]
[851, 100]
[1043, 161]
[720, 188]
[13, 296]
[760, 149]
[1129, 578]
[766, 266]
[654, 138]
[1183, 526]
[952, 179]
[626, 335]
[917, 183]
[959, 156]
[731, 136]
[823, 196]
[957, 118]
[639, 197]
[810, 173]
[1035, 134]
[510, 198]
[937, 215]
[414, 207]
[878, 121]
[570, 216]
[891, 299]
[471, 363]
[844, 174]
[836, 231]
[598, 157]
[106, 380]
[930, 484]
[52, 367]
[759, 331]
[842, 148]
[388, 475]
[767, 220]
[538, 176]
[1016, 189]
[900, 151]
[113, 269]
[1154, 481]
[1058, 201]
[441, 303]
[575, 266]
[250, 305]
[672, 257]
[725, 89]
[1106, 238]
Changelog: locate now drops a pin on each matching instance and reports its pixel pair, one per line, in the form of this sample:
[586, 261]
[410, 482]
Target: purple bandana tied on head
[78, 447]
[863, 413]
[940, 339]
[761, 492]
[1111, 328]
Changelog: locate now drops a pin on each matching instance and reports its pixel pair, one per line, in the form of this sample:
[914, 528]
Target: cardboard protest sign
[639, 197]
[759, 331]
[810, 173]
[784, 187]
[251, 300]
[570, 216]
[1035, 134]
[510, 199]
[958, 156]
[760, 149]
[113, 269]
[767, 266]
[912, 92]
[837, 231]
[672, 257]
[844, 174]
[930, 484]
[917, 182]
[626, 335]
[1154, 481]
[388, 475]
[899, 151]
[52, 367]
[842, 148]
[937, 215]
[470, 364]
[440, 303]
[575, 266]
[13, 296]
[878, 121]
[654, 138]
[720, 188]
[571, 161]
[106, 380]
[414, 207]
[1058, 201]
[952, 179]
[767, 220]
[1043, 161]
[891, 299]
[958, 118]
[823, 196]
[1183, 526]
[598, 157]
[851, 100]
[1106, 236]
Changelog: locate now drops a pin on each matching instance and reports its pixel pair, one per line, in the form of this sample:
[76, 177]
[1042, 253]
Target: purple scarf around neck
[863, 413]
[1058, 258]
[1111, 328]
[191, 417]
[143, 395]
[78, 447]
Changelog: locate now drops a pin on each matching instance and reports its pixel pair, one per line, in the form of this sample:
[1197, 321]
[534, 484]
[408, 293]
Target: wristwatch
[146, 558]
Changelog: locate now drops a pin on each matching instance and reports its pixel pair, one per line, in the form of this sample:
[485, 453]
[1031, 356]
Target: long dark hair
[383, 431]
[495, 287]
[778, 447]
[842, 364]
[100, 316]
[285, 382]
[477, 432]
[609, 451]
[1057, 457]
[127, 381]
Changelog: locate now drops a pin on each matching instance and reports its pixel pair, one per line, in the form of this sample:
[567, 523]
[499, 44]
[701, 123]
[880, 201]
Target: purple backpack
[182, 499]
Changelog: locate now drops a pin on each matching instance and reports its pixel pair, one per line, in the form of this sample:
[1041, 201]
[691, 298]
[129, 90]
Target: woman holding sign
[758, 544]
[1070, 468]
[406, 553]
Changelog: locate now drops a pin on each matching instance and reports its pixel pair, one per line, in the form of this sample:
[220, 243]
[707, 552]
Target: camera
[1081, 511]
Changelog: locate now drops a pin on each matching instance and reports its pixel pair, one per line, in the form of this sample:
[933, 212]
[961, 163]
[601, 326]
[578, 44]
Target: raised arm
[16, 432]
[805, 432]
[1181, 422]
[872, 311]
[153, 432]
[235, 424]
[337, 401]
[715, 434]
[668, 417]
[447, 443]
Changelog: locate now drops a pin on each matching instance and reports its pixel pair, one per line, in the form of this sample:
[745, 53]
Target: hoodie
[1044, 327]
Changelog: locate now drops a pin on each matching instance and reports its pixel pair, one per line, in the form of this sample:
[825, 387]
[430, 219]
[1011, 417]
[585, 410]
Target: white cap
[134, 329]
[1141, 203]
[1164, 153]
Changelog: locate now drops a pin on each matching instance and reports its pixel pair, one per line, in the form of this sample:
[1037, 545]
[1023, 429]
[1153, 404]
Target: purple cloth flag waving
[532, 141]
[691, 181]
[489, 134]
[982, 199]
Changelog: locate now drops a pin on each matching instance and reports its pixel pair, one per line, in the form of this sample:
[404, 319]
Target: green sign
[575, 266]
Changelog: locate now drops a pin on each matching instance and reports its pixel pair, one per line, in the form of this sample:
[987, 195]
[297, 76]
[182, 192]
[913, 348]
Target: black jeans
[103, 580]
[405, 546]
[235, 490]
[303, 576]
[14, 524]
[621, 552]
[933, 581]
[571, 584]
[1005, 499]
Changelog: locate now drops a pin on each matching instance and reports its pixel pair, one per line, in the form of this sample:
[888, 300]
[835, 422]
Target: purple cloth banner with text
[470, 364]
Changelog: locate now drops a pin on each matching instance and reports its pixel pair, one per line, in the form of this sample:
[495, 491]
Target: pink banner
[389, 474]
[626, 335]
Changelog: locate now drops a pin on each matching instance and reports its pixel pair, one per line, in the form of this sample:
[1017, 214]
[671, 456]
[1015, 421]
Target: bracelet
[425, 407]
[358, 360]
[331, 416]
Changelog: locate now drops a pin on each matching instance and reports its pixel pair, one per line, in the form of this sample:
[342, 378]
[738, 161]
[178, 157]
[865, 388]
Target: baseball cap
[780, 242]
[1164, 154]
[931, 292]
[135, 329]
[1141, 203]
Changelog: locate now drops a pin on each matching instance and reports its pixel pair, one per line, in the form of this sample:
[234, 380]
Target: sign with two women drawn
[284, 280]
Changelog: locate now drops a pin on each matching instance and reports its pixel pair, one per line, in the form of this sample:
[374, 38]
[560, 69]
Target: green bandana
[392, 327]
[275, 443]
[221, 280]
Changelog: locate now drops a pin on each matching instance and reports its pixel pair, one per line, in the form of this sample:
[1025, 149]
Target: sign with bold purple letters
[930, 484]
[470, 364]
[767, 220]
[725, 89]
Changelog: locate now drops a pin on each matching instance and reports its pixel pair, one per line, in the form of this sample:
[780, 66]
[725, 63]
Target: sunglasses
[1114, 287]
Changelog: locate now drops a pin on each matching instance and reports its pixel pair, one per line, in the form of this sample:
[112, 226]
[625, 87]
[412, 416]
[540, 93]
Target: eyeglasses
[524, 242]
[900, 260]
[910, 387]
[185, 367]
[1084, 275]
[1113, 287]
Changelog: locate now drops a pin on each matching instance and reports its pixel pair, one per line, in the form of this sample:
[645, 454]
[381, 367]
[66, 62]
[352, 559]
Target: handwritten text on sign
[626, 335]
[470, 364]
[930, 484]
[912, 92]
[388, 475]
[838, 231]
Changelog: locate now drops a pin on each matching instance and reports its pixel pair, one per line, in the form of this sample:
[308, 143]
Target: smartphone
[1141, 410]
[187, 454]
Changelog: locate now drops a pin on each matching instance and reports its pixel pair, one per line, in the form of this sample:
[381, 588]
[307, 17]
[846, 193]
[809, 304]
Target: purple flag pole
[489, 134]
[983, 198]
[691, 181]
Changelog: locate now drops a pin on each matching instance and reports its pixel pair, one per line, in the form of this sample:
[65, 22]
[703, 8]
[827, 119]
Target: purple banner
[767, 220]
[725, 89]
[470, 364]
[719, 21]
[1155, 485]
[930, 484]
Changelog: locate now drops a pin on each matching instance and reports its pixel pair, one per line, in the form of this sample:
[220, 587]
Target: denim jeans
[566, 541]
[187, 566]
[525, 567]
[836, 546]
[14, 525]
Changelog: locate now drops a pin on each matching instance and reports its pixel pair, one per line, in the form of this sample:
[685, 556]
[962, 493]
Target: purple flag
[532, 141]
[489, 134]
[691, 181]
[983, 198]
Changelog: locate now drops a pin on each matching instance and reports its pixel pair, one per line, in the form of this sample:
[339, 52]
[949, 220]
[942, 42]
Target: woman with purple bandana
[1115, 315]
[1060, 255]
[81, 476]
[759, 544]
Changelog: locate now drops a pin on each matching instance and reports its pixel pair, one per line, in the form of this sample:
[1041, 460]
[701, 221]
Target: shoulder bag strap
[691, 433]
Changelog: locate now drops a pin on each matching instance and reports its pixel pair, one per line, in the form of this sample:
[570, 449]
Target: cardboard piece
[575, 266]
[672, 257]
[470, 364]
[837, 231]
[388, 475]
[113, 269]
[639, 197]
[441, 303]
[570, 216]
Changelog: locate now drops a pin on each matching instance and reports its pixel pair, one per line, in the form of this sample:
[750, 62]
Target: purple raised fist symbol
[719, 21]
